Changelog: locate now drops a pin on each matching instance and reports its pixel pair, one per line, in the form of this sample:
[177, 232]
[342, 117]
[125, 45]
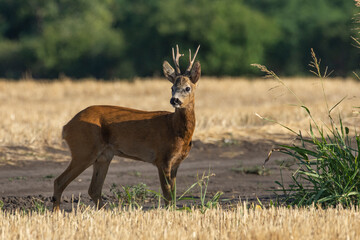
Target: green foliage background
[126, 38]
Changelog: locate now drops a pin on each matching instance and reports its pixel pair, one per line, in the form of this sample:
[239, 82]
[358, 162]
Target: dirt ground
[237, 165]
[230, 138]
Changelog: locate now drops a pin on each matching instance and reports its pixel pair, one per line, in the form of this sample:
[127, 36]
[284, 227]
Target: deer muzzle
[175, 102]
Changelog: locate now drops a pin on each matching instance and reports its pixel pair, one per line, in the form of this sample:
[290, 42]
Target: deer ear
[169, 71]
[195, 72]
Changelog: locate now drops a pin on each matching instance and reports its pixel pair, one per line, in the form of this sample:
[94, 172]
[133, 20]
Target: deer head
[184, 85]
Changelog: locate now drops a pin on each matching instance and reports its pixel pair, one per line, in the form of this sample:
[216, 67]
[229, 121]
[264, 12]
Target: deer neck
[184, 122]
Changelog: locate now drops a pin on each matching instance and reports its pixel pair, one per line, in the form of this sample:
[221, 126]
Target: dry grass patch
[237, 223]
[33, 113]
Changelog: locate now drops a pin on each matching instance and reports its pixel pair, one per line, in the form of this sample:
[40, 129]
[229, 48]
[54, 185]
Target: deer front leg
[167, 181]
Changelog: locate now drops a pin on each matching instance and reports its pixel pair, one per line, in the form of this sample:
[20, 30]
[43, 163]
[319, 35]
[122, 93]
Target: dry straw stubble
[237, 223]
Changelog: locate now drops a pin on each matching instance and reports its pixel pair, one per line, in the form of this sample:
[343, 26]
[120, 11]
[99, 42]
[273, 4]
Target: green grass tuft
[327, 159]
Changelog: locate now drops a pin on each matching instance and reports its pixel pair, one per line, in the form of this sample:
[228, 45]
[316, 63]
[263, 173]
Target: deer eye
[188, 89]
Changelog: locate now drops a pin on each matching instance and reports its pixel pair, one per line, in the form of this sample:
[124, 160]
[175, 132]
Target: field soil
[237, 166]
[231, 139]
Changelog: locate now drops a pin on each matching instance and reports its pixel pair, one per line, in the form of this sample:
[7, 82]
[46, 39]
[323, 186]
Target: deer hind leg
[80, 161]
[101, 167]
[60, 183]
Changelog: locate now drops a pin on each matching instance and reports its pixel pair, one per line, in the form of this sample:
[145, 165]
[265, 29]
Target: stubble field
[230, 140]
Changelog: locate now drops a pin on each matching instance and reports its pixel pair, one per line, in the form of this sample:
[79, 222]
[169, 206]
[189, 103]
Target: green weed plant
[327, 159]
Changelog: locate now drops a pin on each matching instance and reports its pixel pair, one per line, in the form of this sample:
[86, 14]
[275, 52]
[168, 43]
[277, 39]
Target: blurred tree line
[126, 38]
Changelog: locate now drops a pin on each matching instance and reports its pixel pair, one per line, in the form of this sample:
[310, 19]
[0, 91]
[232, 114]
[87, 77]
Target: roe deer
[162, 138]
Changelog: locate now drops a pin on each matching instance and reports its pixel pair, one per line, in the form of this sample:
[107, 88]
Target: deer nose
[174, 101]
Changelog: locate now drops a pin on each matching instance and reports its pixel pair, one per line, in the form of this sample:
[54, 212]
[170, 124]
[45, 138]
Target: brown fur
[162, 138]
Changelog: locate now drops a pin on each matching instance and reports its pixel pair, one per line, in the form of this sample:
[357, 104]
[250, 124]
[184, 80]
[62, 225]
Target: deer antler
[176, 59]
[191, 60]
